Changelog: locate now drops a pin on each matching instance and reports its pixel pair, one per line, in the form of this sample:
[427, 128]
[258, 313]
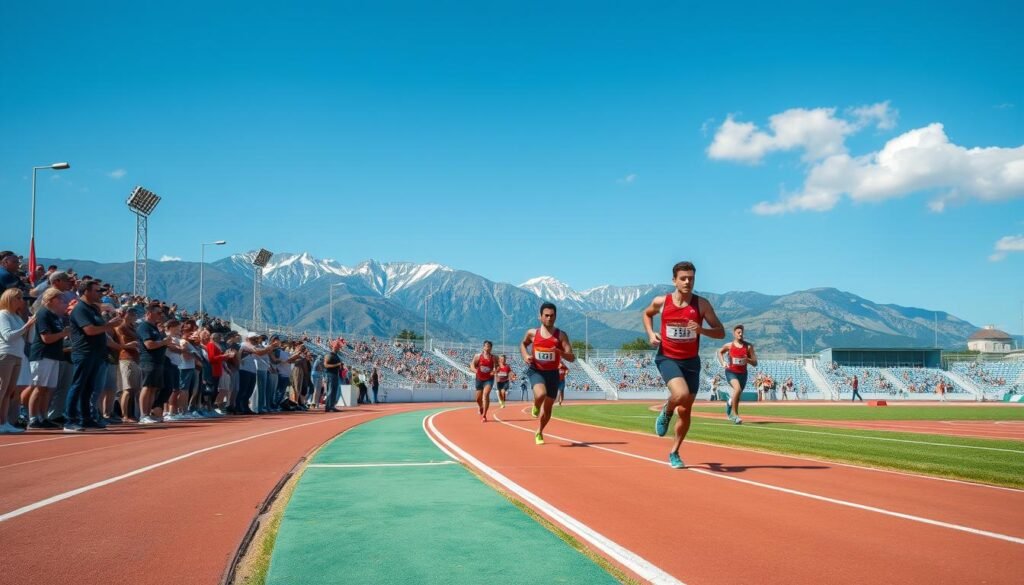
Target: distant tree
[638, 344]
[408, 335]
[581, 345]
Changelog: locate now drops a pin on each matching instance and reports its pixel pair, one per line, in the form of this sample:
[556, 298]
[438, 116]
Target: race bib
[738, 361]
[679, 333]
[544, 356]
[484, 369]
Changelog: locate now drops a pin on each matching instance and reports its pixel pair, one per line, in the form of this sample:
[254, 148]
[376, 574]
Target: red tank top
[678, 342]
[562, 371]
[485, 367]
[737, 363]
[546, 354]
[503, 372]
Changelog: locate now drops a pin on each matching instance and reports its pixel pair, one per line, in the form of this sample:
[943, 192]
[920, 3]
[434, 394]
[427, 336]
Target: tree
[638, 344]
[581, 345]
[408, 335]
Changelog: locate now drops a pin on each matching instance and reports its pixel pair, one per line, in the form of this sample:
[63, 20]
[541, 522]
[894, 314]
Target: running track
[742, 516]
[177, 523]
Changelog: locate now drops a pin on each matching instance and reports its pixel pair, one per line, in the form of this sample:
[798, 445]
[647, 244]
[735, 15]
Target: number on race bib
[544, 356]
[679, 333]
[485, 369]
[738, 361]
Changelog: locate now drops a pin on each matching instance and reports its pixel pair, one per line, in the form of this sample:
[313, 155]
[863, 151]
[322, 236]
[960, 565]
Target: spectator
[88, 354]
[151, 360]
[45, 356]
[13, 334]
[375, 384]
[332, 373]
[9, 271]
[128, 367]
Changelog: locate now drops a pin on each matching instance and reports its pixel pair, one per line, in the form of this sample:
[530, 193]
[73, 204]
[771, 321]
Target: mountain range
[374, 298]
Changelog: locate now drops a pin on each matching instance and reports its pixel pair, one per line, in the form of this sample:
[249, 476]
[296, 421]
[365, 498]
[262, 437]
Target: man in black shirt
[45, 356]
[151, 360]
[88, 351]
[332, 371]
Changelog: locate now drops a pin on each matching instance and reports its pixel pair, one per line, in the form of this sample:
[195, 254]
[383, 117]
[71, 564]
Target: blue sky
[519, 139]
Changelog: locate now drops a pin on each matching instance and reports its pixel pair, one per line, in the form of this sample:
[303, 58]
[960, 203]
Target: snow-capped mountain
[551, 289]
[601, 298]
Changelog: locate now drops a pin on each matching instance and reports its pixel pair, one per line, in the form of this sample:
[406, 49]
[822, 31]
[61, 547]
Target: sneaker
[483, 418]
[538, 439]
[37, 425]
[50, 425]
[73, 428]
[10, 429]
[502, 402]
[59, 420]
[94, 424]
[675, 461]
[737, 420]
[728, 409]
[661, 424]
[146, 420]
[535, 413]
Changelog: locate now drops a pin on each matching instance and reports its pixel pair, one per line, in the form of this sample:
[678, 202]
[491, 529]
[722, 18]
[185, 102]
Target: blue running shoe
[675, 461]
[661, 424]
[728, 408]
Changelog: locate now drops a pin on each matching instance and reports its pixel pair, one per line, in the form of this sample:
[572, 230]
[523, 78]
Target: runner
[683, 314]
[483, 367]
[563, 371]
[550, 347]
[741, 353]
[503, 375]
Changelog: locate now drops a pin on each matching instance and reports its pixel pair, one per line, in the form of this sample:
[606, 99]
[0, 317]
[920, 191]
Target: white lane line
[87, 488]
[766, 451]
[45, 440]
[351, 465]
[803, 494]
[626, 557]
[73, 453]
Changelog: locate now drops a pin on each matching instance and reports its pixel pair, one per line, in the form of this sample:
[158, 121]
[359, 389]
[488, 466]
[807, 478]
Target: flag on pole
[32, 261]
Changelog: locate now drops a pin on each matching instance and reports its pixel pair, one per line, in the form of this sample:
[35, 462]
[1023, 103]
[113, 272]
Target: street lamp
[586, 336]
[425, 318]
[330, 330]
[202, 264]
[32, 229]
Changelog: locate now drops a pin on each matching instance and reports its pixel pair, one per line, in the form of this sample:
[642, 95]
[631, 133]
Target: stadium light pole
[586, 336]
[32, 226]
[330, 326]
[425, 301]
[141, 202]
[202, 264]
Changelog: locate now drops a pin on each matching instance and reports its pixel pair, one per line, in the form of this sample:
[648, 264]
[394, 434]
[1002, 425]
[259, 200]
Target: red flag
[32, 261]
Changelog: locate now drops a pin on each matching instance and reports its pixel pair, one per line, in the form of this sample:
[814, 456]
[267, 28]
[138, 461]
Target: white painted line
[627, 558]
[356, 465]
[807, 458]
[439, 445]
[73, 453]
[87, 488]
[809, 495]
[45, 440]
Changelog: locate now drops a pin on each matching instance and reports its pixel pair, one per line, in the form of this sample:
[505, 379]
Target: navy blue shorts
[688, 370]
[503, 386]
[481, 384]
[741, 378]
[561, 386]
[549, 378]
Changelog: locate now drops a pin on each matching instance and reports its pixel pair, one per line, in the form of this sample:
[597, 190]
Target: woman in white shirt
[13, 334]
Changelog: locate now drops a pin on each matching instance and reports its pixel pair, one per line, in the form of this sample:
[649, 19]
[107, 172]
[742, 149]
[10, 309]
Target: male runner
[503, 374]
[482, 367]
[741, 354]
[550, 347]
[563, 371]
[683, 315]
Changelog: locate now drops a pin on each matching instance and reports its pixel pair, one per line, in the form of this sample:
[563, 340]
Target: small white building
[990, 340]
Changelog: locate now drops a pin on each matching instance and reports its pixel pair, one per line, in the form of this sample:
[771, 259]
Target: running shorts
[688, 370]
[549, 378]
[741, 378]
[481, 384]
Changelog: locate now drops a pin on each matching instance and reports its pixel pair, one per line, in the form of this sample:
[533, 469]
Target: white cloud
[1006, 245]
[166, 258]
[1003, 106]
[117, 173]
[628, 179]
[818, 132]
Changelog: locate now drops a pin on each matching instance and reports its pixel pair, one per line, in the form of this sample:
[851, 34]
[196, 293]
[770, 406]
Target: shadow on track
[719, 468]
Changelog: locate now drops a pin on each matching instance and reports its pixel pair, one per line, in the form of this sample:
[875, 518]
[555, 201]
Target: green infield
[891, 412]
[983, 460]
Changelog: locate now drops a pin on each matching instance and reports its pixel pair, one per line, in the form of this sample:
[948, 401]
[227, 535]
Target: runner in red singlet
[683, 315]
[563, 371]
[482, 367]
[740, 354]
[550, 347]
[502, 375]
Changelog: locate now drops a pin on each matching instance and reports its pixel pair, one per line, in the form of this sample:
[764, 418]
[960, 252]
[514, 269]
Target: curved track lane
[744, 516]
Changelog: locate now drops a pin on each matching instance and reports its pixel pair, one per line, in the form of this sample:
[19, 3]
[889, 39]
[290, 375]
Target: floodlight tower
[142, 202]
[258, 263]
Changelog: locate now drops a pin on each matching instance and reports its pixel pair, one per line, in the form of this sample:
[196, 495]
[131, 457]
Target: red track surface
[704, 528]
[179, 523]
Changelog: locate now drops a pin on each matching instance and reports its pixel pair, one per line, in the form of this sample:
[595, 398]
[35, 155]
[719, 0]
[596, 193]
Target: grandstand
[993, 378]
[577, 380]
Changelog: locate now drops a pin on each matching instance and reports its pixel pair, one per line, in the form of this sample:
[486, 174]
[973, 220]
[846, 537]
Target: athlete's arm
[717, 330]
[527, 340]
[648, 316]
[721, 354]
[472, 364]
[567, 353]
[751, 356]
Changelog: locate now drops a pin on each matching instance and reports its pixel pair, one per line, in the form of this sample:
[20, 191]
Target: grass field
[998, 462]
[864, 412]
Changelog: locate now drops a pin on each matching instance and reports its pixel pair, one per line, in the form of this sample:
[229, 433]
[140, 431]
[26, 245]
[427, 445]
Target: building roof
[990, 333]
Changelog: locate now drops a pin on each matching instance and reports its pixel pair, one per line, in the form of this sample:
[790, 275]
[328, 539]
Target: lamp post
[202, 264]
[586, 336]
[32, 227]
[330, 326]
[425, 300]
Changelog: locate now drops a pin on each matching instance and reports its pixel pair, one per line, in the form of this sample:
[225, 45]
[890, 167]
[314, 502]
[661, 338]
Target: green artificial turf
[999, 462]
[891, 412]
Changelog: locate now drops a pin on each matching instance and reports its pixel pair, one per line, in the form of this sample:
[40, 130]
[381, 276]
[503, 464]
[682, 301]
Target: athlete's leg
[545, 413]
[539, 392]
[479, 403]
[487, 399]
[681, 403]
[734, 396]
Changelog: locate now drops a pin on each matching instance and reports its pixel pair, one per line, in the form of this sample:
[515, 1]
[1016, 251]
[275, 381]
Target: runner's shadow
[719, 468]
[589, 443]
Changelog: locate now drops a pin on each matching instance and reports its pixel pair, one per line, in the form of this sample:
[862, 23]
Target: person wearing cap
[88, 354]
[151, 361]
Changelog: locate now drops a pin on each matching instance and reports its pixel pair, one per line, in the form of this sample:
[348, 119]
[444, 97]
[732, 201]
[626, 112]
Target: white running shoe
[147, 420]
